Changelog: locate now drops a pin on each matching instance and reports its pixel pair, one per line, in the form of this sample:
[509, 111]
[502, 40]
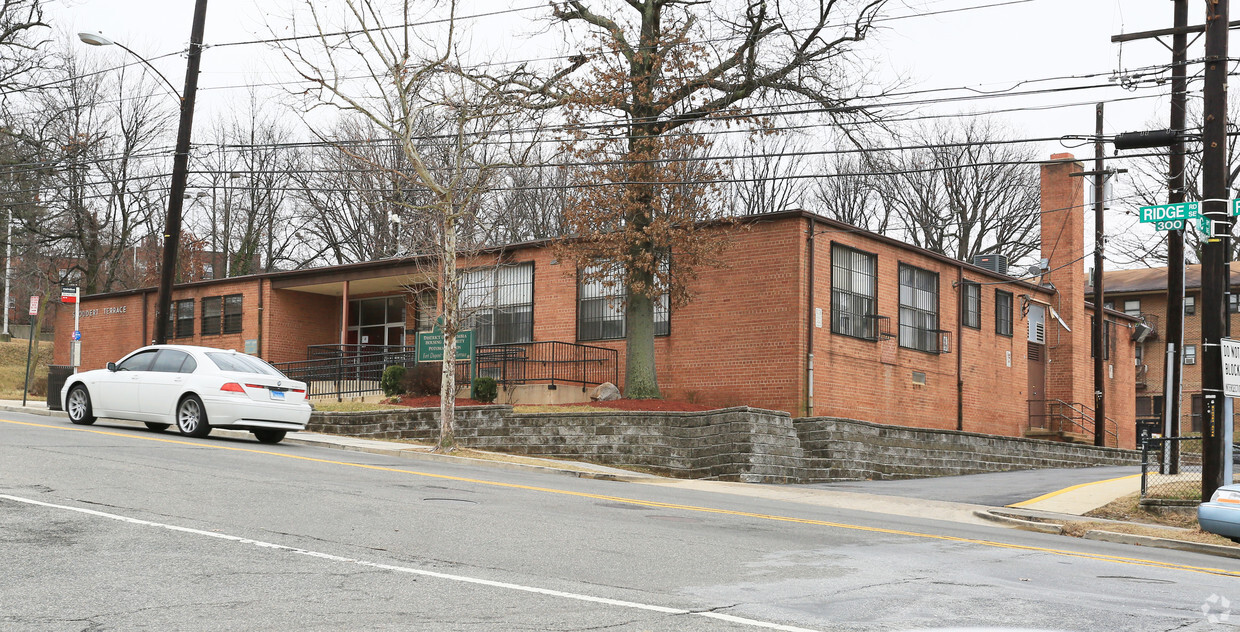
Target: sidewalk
[1036, 514]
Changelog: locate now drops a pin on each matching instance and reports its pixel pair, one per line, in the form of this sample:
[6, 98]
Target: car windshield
[242, 364]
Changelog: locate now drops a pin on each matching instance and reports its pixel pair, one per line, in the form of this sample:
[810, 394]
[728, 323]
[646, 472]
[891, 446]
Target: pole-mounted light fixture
[97, 39]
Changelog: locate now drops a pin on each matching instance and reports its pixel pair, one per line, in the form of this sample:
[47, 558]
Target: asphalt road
[111, 528]
[997, 489]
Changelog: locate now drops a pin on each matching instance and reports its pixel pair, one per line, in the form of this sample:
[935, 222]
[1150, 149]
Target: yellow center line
[1025, 503]
[658, 504]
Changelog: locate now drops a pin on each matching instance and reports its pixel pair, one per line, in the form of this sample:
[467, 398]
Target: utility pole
[1100, 347]
[1215, 273]
[180, 172]
[1174, 370]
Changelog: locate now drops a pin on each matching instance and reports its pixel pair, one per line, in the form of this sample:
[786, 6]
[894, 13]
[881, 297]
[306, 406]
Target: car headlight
[1225, 496]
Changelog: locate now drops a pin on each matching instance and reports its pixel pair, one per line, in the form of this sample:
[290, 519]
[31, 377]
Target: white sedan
[196, 388]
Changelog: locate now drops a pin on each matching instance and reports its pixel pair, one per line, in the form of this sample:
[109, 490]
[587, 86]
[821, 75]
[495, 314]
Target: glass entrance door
[377, 321]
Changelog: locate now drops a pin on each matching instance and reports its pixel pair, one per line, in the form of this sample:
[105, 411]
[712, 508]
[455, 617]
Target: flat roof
[382, 274]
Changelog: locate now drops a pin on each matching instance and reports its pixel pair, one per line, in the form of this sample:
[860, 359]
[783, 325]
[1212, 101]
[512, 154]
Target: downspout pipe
[960, 347]
[809, 325]
[259, 342]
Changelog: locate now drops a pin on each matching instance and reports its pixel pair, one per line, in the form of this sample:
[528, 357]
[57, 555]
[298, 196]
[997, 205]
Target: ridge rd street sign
[1170, 216]
[1173, 216]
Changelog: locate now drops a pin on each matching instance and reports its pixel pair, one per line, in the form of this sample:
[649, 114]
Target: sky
[980, 47]
[988, 45]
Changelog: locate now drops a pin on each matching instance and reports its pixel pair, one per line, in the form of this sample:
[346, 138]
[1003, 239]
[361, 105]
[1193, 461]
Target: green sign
[1170, 216]
[430, 346]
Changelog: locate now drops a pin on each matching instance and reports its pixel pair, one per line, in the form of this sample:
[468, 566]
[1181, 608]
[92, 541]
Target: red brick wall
[739, 341]
[107, 332]
[873, 381]
[293, 320]
[1070, 374]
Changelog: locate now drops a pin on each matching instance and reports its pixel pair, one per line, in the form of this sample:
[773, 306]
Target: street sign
[77, 335]
[34, 306]
[430, 346]
[1169, 216]
[1231, 366]
[1235, 207]
[68, 294]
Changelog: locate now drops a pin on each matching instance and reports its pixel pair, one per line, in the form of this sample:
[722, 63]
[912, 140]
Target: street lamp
[97, 39]
[180, 163]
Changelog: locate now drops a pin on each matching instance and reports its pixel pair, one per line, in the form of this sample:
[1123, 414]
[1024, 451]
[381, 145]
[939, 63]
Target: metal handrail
[1078, 418]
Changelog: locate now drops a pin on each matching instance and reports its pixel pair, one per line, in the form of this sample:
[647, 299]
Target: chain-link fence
[1171, 468]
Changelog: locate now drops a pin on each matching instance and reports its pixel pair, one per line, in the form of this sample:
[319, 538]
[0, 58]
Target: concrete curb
[1017, 523]
[31, 410]
[1163, 543]
[1111, 536]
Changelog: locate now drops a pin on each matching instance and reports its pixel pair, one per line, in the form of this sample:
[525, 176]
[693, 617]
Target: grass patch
[1159, 524]
[13, 369]
[1128, 508]
[1079, 529]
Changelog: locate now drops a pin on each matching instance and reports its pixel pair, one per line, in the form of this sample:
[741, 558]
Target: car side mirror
[112, 366]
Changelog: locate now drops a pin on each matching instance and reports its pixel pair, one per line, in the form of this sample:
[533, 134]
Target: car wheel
[192, 417]
[78, 406]
[157, 427]
[270, 436]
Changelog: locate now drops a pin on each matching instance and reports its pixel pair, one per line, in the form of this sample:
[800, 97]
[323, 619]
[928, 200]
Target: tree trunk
[451, 301]
[640, 379]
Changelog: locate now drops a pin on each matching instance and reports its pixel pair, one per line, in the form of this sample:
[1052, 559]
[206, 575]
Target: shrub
[424, 379]
[485, 389]
[391, 380]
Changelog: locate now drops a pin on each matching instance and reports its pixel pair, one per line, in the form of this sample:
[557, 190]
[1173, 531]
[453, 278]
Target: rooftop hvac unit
[994, 263]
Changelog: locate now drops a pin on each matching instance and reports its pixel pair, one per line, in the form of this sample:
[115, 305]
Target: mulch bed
[659, 405]
[654, 405]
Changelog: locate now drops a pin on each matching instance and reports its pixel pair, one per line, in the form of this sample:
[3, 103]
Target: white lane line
[416, 571]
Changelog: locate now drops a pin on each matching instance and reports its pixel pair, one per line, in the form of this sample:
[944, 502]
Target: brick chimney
[1070, 372]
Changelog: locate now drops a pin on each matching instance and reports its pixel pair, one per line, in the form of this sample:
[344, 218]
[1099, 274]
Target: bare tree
[23, 37]
[851, 195]
[100, 195]
[659, 69]
[770, 178]
[406, 80]
[963, 189]
[352, 195]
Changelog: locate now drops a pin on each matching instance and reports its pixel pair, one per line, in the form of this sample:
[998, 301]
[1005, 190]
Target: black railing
[1070, 421]
[550, 362]
[354, 370]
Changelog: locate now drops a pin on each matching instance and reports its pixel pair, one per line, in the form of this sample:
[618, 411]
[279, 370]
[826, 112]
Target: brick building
[1143, 293]
[810, 316]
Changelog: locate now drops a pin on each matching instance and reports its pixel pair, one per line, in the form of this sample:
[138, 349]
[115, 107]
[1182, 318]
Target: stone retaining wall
[742, 444]
[845, 449]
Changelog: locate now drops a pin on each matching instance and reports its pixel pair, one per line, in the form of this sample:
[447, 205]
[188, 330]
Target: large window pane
[499, 303]
[601, 305]
[1003, 313]
[919, 308]
[971, 309]
[212, 315]
[232, 314]
[853, 292]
